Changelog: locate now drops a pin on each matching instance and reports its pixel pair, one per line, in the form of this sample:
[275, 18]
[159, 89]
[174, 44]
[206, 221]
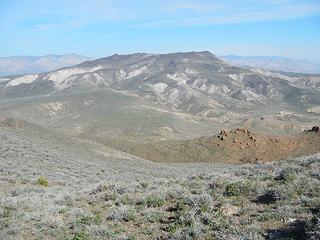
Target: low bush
[122, 213]
[287, 175]
[81, 235]
[154, 200]
[43, 181]
[269, 197]
[313, 228]
[239, 188]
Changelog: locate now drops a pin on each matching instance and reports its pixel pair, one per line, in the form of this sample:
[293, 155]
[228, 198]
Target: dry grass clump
[43, 181]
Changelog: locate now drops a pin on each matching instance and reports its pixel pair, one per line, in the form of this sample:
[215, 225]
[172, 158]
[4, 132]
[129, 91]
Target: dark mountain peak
[200, 55]
[207, 53]
[117, 60]
[192, 53]
[132, 55]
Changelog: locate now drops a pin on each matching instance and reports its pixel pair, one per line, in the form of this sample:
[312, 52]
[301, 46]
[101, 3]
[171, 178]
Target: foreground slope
[66, 160]
[87, 191]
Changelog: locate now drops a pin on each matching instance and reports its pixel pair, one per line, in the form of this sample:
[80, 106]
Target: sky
[97, 28]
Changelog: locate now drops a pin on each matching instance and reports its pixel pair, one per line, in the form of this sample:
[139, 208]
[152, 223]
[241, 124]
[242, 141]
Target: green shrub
[182, 206]
[81, 235]
[122, 213]
[191, 232]
[130, 215]
[144, 185]
[153, 216]
[110, 195]
[287, 175]
[312, 228]
[268, 214]
[239, 188]
[43, 181]
[97, 218]
[84, 220]
[202, 201]
[155, 201]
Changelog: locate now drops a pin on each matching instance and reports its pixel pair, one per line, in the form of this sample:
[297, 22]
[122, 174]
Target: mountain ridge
[196, 85]
[178, 69]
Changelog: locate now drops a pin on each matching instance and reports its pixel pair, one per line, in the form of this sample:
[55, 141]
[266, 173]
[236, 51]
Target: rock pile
[224, 134]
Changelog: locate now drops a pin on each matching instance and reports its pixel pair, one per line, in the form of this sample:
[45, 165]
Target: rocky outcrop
[229, 146]
[314, 129]
[12, 122]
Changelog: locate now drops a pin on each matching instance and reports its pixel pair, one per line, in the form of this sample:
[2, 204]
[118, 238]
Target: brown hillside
[235, 146]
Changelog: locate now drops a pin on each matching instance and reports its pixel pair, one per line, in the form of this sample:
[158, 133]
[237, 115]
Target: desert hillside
[132, 147]
[160, 120]
[57, 187]
[234, 146]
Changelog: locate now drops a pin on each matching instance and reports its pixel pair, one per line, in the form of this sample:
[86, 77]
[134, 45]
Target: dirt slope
[235, 146]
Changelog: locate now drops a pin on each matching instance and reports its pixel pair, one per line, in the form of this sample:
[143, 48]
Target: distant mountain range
[17, 65]
[274, 63]
[195, 82]
[163, 95]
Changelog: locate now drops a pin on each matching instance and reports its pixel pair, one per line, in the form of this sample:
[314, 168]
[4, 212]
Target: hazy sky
[97, 28]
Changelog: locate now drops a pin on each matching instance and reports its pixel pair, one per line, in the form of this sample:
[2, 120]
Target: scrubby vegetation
[43, 181]
[267, 201]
